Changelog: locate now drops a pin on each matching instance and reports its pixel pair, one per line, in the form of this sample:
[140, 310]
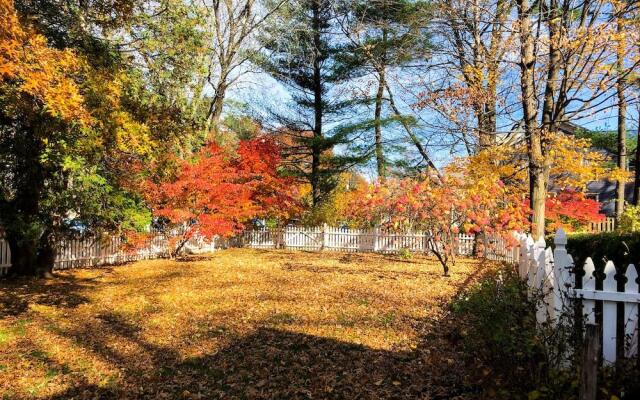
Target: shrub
[498, 327]
[500, 335]
[630, 219]
[515, 357]
[621, 248]
[405, 254]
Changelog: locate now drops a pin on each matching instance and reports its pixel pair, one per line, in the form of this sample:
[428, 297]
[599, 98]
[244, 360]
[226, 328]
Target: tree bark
[215, 110]
[622, 125]
[316, 146]
[380, 161]
[31, 256]
[636, 181]
[24, 255]
[622, 151]
[533, 134]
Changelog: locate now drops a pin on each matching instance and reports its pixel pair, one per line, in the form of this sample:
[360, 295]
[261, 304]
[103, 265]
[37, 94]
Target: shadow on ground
[62, 291]
[273, 364]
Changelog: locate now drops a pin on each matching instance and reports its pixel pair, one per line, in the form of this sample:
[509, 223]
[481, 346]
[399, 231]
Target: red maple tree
[571, 210]
[218, 191]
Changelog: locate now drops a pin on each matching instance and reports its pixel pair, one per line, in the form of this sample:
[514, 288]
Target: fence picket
[589, 283]
[609, 310]
[631, 311]
[91, 252]
[559, 284]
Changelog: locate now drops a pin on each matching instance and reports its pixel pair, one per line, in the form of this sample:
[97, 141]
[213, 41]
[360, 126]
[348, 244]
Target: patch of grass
[5, 336]
[281, 318]
[387, 318]
[363, 302]
[346, 320]
[20, 328]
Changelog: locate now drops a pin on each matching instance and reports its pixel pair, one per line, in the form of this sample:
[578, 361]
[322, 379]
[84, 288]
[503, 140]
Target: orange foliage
[33, 69]
[462, 201]
[571, 210]
[218, 192]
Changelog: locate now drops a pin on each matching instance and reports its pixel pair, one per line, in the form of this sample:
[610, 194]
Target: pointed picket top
[589, 280]
[560, 239]
[609, 283]
[632, 279]
[540, 243]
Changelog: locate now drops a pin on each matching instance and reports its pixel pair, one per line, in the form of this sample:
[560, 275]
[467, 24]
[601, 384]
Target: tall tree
[232, 26]
[78, 112]
[300, 48]
[565, 73]
[476, 38]
[385, 35]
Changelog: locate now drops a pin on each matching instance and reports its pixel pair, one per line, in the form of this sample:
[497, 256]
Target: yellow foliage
[571, 164]
[28, 66]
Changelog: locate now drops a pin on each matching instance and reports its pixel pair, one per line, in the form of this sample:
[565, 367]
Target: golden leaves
[235, 324]
[30, 66]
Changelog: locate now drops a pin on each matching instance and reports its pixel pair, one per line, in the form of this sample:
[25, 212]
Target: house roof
[605, 193]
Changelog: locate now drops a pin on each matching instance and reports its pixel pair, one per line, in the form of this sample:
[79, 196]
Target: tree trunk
[24, 254]
[636, 183]
[46, 255]
[316, 146]
[533, 134]
[622, 125]
[31, 256]
[215, 109]
[622, 151]
[380, 161]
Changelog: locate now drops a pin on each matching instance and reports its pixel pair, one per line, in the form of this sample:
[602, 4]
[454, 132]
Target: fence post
[375, 238]
[631, 311]
[589, 373]
[324, 236]
[563, 264]
[609, 313]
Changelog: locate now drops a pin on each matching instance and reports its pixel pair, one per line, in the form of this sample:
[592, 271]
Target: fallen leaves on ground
[238, 324]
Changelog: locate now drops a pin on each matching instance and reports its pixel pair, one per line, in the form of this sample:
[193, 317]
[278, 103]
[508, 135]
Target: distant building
[604, 192]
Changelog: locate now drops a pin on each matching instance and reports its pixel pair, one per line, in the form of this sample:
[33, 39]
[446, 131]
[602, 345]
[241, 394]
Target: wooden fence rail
[94, 252]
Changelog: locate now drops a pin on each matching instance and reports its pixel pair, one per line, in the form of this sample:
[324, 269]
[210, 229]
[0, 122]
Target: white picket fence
[93, 252]
[552, 272]
[361, 240]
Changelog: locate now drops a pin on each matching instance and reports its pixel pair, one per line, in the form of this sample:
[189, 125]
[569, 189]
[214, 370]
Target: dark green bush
[622, 249]
[498, 329]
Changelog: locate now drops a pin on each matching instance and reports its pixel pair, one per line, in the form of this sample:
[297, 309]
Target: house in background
[604, 192]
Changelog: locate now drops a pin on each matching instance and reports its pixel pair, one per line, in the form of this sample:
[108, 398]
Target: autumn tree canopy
[217, 191]
[114, 114]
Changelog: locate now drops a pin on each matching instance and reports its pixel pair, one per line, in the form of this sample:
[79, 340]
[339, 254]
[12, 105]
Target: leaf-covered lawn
[239, 324]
